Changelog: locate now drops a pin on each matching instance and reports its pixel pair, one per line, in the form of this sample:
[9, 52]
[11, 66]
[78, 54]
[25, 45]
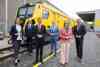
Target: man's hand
[16, 33]
[51, 33]
[33, 37]
[39, 35]
[78, 36]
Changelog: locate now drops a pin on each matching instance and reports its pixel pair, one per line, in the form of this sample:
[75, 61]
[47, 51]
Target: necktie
[29, 27]
[39, 27]
[78, 28]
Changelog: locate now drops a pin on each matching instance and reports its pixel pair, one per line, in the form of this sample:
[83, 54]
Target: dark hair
[33, 21]
[48, 26]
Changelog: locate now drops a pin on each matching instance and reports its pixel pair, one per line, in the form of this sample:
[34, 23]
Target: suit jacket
[30, 32]
[54, 33]
[13, 32]
[80, 32]
[41, 32]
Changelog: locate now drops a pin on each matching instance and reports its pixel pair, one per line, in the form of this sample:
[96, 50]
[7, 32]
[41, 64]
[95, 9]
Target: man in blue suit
[54, 33]
[30, 33]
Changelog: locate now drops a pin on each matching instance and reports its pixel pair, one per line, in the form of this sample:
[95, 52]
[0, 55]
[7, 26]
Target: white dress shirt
[18, 28]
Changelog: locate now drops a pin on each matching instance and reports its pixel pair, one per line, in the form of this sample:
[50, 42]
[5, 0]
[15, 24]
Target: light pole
[6, 16]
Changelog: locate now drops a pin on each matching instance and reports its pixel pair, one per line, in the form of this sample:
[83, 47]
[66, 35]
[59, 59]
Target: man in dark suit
[16, 37]
[40, 32]
[30, 33]
[79, 31]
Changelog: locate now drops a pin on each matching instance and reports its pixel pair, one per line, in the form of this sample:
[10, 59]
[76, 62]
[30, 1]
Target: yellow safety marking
[37, 65]
[46, 59]
[50, 56]
[97, 23]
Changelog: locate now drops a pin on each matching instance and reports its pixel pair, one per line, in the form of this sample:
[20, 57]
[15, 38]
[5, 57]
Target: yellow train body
[54, 15]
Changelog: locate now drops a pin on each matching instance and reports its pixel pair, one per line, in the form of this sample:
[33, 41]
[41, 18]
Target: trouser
[53, 45]
[16, 47]
[79, 47]
[39, 51]
[64, 52]
[29, 45]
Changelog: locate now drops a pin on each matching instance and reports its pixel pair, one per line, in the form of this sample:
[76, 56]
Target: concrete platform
[91, 56]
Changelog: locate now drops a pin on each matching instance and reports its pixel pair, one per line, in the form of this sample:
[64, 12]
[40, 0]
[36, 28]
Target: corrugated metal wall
[2, 15]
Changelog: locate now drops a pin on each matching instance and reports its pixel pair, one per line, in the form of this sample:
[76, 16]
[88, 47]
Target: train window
[30, 11]
[45, 14]
[22, 11]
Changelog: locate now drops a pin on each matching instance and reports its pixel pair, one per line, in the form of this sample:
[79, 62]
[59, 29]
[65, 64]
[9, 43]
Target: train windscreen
[30, 11]
[22, 12]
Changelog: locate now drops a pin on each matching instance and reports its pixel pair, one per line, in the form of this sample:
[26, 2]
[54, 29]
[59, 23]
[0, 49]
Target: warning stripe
[46, 59]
